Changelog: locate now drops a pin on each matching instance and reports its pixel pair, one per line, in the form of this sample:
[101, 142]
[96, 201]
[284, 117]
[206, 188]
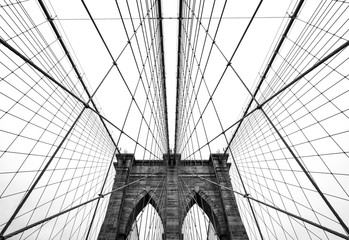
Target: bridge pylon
[172, 187]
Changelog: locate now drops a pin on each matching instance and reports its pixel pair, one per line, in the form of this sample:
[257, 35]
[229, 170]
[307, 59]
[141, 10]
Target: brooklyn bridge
[174, 119]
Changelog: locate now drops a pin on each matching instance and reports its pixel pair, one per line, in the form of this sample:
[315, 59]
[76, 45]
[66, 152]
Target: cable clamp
[246, 195]
[101, 195]
[86, 105]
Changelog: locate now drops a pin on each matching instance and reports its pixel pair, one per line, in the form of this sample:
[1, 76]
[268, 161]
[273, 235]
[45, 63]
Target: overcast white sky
[248, 61]
[317, 130]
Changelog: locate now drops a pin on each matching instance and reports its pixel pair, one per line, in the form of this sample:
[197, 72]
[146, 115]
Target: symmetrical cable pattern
[274, 98]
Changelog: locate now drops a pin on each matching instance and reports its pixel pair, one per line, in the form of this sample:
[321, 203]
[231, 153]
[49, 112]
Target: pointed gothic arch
[143, 199]
[205, 203]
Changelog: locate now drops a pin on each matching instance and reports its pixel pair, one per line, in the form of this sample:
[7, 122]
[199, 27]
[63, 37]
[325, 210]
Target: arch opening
[197, 225]
[144, 221]
[199, 222]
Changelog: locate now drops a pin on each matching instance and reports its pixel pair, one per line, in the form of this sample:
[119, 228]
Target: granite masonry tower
[207, 183]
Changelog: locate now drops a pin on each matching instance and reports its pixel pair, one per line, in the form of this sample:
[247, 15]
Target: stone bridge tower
[156, 181]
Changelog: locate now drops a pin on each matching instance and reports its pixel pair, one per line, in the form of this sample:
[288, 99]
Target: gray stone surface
[172, 185]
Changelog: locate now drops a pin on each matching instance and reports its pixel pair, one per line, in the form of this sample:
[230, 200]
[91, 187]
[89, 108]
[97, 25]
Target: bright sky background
[248, 61]
[316, 130]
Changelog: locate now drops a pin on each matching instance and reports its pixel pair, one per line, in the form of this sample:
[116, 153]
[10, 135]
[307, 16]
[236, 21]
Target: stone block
[218, 203]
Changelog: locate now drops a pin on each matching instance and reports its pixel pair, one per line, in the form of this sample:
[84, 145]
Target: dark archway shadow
[199, 199]
[142, 203]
